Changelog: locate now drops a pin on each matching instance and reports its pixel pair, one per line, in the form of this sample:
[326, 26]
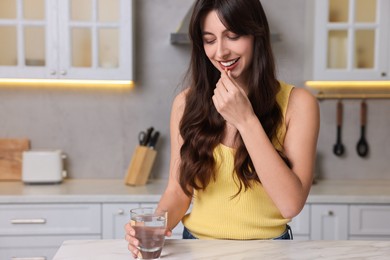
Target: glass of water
[149, 226]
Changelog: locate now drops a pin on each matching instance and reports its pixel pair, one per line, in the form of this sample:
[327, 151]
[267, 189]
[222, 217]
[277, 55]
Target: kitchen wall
[98, 129]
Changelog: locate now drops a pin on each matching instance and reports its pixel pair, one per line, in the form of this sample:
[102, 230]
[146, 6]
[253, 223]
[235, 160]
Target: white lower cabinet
[36, 231]
[329, 222]
[369, 222]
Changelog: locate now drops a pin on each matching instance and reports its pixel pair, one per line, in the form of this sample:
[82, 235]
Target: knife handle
[153, 140]
[148, 135]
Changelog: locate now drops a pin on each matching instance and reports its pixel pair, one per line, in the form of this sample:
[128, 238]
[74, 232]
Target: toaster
[43, 166]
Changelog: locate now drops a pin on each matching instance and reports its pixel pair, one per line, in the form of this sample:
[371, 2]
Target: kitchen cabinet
[36, 231]
[346, 221]
[66, 39]
[329, 222]
[351, 39]
[369, 222]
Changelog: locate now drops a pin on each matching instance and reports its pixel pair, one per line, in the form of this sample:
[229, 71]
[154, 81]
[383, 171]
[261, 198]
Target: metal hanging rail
[322, 96]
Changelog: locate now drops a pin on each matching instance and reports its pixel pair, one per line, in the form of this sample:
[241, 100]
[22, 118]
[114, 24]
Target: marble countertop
[230, 249]
[115, 191]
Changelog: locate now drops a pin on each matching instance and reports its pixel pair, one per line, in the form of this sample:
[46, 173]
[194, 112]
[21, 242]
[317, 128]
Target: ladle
[362, 145]
[338, 148]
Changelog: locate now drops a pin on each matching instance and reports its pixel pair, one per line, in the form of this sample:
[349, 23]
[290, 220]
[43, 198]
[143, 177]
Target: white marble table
[229, 249]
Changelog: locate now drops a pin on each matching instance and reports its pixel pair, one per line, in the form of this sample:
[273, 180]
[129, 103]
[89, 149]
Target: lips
[229, 64]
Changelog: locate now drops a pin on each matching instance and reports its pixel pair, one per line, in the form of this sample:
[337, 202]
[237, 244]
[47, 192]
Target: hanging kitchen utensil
[338, 148]
[362, 145]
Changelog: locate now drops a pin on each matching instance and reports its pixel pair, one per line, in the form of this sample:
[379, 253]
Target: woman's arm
[288, 188]
[174, 199]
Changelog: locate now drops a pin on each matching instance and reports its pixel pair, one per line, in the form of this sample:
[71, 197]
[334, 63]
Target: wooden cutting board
[11, 151]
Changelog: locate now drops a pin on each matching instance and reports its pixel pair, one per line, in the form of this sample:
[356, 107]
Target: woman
[243, 144]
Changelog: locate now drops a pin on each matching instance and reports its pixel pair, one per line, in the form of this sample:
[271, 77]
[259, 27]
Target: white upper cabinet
[66, 39]
[351, 40]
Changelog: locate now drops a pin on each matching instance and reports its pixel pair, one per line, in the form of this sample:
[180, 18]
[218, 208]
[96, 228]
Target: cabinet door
[351, 40]
[329, 222]
[95, 40]
[300, 225]
[23, 35]
[115, 217]
[66, 39]
[370, 220]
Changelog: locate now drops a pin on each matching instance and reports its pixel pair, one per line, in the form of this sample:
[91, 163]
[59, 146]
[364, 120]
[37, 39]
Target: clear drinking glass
[149, 226]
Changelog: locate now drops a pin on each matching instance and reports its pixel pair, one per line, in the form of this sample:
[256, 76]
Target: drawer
[33, 247]
[369, 220]
[50, 219]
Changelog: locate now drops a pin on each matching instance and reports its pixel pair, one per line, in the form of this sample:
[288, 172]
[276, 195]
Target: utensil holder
[140, 166]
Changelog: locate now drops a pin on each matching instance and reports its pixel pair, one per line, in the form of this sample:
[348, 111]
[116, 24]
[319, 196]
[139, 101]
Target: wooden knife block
[140, 166]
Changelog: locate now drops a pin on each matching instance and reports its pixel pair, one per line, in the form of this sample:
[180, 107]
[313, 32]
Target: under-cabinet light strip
[348, 85]
[54, 83]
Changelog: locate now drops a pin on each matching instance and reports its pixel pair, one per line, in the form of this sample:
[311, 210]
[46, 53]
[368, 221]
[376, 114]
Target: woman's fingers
[228, 82]
[168, 232]
[130, 238]
[129, 230]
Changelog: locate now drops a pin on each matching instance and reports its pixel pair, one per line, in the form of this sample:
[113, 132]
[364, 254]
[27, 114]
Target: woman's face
[225, 49]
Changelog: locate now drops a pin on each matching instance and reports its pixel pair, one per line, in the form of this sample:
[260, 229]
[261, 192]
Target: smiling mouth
[228, 63]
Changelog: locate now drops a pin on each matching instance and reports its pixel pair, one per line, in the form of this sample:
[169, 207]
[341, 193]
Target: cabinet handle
[383, 74]
[330, 213]
[121, 211]
[63, 72]
[53, 72]
[29, 221]
[29, 258]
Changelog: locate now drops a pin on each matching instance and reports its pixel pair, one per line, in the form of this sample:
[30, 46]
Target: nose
[222, 50]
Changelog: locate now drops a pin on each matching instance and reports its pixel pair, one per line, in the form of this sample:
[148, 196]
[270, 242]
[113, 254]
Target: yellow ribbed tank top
[251, 214]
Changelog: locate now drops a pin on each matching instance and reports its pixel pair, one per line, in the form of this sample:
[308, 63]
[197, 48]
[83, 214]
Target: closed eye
[208, 40]
[233, 36]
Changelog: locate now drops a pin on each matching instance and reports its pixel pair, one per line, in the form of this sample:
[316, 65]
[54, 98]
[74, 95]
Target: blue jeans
[287, 235]
[187, 234]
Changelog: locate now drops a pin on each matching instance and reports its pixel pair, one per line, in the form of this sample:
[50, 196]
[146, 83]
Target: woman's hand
[231, 101]
[133, 241]
[130, 238]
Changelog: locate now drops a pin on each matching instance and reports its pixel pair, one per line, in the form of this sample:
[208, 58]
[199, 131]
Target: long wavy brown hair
[202, 127]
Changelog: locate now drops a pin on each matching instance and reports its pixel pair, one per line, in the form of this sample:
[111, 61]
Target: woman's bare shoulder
[302, 95]
[180, 101]
[302, 102]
